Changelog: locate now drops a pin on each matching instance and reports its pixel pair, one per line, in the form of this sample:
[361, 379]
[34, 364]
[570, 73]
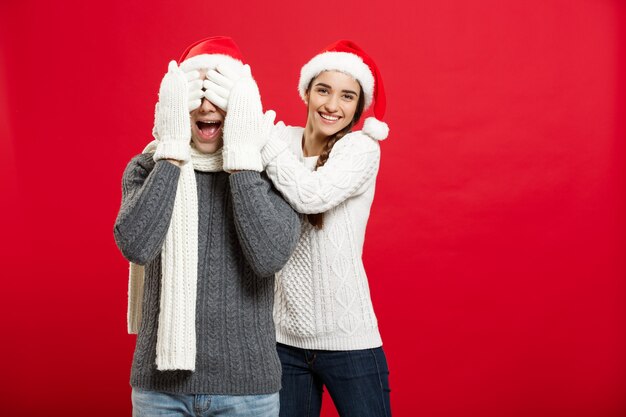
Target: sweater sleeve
[148, 194]
[352, 162]
[267, 227]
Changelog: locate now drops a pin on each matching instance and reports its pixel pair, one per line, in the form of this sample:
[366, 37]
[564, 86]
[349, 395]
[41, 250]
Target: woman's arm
[148, 194]
[352, 162]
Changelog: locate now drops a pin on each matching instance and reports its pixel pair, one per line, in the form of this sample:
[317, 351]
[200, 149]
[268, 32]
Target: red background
[496, 245]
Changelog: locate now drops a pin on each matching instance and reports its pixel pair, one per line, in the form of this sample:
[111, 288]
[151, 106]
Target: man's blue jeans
[357, 381]
[163, 404]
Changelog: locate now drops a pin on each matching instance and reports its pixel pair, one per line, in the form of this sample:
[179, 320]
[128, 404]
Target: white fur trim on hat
[208, 62]
[375, 129]
[345, 62]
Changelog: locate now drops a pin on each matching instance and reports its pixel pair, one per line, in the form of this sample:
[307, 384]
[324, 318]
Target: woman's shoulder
[374, 131]
[358, 141]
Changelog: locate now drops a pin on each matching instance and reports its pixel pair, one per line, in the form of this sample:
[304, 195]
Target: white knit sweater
[322, 296]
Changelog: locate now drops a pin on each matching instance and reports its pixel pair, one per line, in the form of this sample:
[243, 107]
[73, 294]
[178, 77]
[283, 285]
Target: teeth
[329, 117]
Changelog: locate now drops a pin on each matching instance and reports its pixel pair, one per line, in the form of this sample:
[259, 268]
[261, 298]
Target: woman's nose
[331, 104]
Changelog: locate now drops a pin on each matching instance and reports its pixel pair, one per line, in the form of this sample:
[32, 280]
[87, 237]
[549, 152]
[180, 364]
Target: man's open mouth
[209, 129]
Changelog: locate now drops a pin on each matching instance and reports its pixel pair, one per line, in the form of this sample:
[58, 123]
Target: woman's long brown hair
[317, 220]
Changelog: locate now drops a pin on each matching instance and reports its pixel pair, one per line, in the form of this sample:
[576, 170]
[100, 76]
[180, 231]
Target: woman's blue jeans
[357, 381]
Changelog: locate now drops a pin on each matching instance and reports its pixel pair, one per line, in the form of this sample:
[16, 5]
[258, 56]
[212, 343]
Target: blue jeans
[153, 403]
[357, 381]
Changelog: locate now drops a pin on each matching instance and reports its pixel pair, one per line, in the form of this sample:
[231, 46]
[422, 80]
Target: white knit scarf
[176, 336]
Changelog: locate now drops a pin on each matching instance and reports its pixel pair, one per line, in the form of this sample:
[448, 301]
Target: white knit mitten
[246, 128]
[172, 124]
[220, 82]
[276, 143]
[194, 84]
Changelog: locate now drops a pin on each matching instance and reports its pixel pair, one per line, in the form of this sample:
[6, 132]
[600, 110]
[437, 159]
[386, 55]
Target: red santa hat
[349, 58]
[209, 52]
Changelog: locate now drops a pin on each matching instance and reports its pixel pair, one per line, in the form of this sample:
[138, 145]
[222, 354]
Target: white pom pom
[375, 129]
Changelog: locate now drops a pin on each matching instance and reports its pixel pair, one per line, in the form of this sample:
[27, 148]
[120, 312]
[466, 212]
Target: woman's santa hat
[209, 52]
[349, 58]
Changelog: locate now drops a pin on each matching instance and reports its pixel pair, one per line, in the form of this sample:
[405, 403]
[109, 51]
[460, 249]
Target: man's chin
[207, 147]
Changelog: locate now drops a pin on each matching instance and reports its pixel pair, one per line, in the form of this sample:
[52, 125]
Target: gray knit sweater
[246, 233]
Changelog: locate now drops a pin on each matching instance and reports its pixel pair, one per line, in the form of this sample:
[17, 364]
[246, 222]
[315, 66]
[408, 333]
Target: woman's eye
[322, 90]
[348, 97]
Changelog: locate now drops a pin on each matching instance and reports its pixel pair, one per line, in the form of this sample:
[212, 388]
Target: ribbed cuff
[272, 149]
[243, 178]
[179, 150]
[242, 158]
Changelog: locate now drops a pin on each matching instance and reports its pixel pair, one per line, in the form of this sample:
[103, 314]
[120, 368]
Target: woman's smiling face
[332, 102]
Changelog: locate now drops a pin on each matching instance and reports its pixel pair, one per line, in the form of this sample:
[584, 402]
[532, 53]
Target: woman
[326, 328]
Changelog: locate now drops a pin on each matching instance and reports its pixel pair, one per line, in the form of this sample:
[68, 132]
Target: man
[210, 243]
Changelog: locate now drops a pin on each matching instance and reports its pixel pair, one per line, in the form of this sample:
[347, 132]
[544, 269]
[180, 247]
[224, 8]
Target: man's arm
[148, 194]
[267, 226]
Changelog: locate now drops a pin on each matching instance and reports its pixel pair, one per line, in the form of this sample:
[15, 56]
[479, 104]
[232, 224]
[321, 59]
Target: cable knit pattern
[322, 295]
[251, 191]
[353, 161]
[176, 340]
[294, 310]
[235, 344]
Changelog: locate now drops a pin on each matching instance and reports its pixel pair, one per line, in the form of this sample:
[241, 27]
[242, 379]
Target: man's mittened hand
[194, 84]
[172, 124]
[246, 128]
[220, 82]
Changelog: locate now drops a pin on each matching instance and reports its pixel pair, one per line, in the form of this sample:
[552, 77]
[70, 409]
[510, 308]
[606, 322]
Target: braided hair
[317, 219]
